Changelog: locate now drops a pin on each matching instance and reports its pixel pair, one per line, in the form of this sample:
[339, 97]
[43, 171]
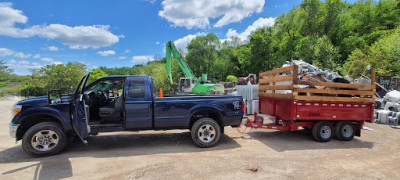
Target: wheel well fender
[213, 112]
[34, 116]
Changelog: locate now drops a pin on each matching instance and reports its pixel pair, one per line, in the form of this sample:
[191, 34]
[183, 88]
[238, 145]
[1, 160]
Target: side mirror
[54, 96]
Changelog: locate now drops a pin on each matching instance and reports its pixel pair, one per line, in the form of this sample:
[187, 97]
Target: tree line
[332, 35]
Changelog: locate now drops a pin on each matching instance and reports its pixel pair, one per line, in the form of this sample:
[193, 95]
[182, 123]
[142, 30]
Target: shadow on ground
[282, 141]
[108, 146]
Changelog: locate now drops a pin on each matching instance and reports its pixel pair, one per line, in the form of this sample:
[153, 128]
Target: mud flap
[358, 132]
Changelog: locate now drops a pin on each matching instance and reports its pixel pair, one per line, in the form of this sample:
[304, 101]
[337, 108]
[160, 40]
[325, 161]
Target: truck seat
[112, 111]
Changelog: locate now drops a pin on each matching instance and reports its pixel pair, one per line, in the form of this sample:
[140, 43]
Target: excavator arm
[171, 49]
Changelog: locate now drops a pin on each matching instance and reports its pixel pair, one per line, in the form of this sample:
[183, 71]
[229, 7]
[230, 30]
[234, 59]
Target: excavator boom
[171, 49]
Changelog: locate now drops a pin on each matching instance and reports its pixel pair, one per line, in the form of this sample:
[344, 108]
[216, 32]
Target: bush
[33, 90]
[231, 78]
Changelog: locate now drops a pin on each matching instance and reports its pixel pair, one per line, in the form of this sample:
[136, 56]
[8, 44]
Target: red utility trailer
[327, 109]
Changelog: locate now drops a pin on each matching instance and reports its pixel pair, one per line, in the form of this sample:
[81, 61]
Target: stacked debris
[388, 109]
[308, 72]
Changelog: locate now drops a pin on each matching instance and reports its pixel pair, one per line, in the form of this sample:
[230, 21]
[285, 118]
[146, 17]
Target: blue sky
[121, 32]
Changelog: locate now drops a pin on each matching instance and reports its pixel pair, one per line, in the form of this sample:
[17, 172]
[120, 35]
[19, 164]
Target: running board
[106, 128]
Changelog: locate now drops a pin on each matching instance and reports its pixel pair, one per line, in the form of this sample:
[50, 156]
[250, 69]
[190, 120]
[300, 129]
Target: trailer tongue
[327, 109]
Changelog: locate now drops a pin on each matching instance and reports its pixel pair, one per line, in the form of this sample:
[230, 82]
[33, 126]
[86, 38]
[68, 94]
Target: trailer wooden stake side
[328, 109]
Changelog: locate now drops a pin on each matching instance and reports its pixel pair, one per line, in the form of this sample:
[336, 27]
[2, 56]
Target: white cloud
[53, 48]
[126, 51]
[259, 23]
[142, 59]
[181, 43]
[56, 62]
[122, 57]
[197, 14]
[106, 53]
[47, 59]
[22, 55]
[151, 1]
[5, 51]
[23, 62]
[158, 42]
[77, 37]
[36, 56]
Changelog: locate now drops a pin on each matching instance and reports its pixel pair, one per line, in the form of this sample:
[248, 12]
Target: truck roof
[125, 76]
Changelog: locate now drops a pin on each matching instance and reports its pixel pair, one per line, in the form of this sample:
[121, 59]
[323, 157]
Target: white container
[383, 116]
[266, 119]
[249, 92]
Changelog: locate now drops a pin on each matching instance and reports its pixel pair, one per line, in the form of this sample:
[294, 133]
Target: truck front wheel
[205, 132]
[345, 130]
[43, 139]
[322, 131]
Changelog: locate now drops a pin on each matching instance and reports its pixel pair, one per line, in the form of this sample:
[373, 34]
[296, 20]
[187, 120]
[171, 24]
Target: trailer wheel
[322, 131]
[205, 132]
[345, 130]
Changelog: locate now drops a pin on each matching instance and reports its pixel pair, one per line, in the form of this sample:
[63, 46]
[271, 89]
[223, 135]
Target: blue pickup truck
[118, 103]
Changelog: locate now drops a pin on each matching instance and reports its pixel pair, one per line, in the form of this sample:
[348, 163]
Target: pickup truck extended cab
[118, 103]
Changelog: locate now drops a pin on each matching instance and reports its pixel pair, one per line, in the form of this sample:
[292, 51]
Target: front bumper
[13, 129]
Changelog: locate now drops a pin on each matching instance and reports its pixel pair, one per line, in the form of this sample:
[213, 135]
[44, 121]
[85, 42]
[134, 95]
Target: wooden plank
[340, 99]
[295, 71]
[276, 71]
[333, 91]
[373, 77]
[275, 87]
[338, 85]
[275, 95]
[276, 79]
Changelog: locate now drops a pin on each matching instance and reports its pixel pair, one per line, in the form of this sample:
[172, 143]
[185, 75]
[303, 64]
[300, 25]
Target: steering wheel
[103, 97]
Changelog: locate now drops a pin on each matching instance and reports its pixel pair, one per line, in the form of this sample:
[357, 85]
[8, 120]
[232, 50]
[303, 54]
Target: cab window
[136, 88]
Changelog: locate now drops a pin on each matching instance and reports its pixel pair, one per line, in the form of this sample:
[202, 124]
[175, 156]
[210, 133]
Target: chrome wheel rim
[325, 132]
[347, 131]
[45, 140]
[206, 133]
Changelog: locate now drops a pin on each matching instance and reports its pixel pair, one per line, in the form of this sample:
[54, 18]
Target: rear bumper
[13, 129]
[233, 121]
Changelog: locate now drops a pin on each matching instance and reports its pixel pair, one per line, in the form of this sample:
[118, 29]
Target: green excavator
[189, 84]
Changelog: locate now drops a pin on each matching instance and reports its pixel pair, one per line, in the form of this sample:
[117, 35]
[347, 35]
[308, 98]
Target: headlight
[15, 110]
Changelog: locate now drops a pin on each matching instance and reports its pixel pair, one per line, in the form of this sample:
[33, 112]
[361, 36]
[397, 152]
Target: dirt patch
[259, 154]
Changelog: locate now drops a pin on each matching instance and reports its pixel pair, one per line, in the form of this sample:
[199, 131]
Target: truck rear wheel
[43, 139]
[205, 132]
[322, 131]
[345, 130]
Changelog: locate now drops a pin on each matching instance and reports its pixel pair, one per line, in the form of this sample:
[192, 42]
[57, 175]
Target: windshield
[101, 86]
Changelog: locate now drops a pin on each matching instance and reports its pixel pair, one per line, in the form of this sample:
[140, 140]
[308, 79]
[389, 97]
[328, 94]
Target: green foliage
[359, 61]
[325, 54]
[231, 78]
[64, 77]
[32, 90]
[389, 47]
[202, 53]
[96, 74]
[125, 70]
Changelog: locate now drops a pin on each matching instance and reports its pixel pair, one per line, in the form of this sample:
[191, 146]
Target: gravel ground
[259, 154]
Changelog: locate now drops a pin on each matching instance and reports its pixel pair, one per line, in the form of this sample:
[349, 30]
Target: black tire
[322, 131]
[345, 130]
[44, 133]
[205, 132]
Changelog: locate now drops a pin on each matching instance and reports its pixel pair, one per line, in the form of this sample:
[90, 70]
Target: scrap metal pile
[387, 109]
[308, 72]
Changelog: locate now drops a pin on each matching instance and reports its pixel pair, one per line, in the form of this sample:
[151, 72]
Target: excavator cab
[185, 85]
